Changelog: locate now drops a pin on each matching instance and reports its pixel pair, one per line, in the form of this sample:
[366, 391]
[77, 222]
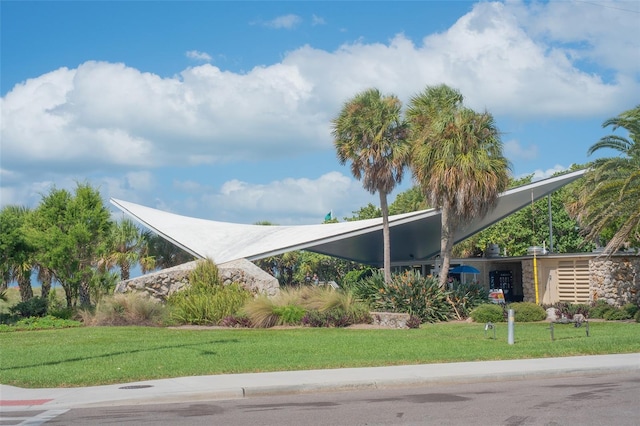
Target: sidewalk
[232, 386]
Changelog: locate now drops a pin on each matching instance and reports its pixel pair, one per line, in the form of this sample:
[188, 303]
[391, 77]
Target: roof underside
[414, 236]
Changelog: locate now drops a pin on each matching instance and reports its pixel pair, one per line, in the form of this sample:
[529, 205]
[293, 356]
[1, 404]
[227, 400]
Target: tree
[164, 253]
[68, 231]
[370, 134]
[367, 212]
[456, 159]
[409, 201]
[126, 247]
[16, 253]
[611, 195]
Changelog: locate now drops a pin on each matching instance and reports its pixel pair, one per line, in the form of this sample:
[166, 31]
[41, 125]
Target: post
[511, 317]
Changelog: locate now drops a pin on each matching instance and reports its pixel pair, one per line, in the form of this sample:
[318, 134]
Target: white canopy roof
[414, 236]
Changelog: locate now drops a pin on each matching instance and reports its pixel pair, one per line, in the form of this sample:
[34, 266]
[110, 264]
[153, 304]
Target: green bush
[616, 315]
[39, 323]
[203, 306]
[206, 301]
[406, 293]
[527, 312]
[289, 314]
[351, 278]
[631, 309]
[600, 309]
[489, 312]
[34, 307]
[465, 297]
[637, 316]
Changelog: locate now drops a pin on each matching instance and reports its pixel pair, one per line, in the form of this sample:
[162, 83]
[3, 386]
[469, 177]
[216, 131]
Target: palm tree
[125, 248]
[456, 159]
[611, 198]
[163, 252]
[16, 254]
[370, 133]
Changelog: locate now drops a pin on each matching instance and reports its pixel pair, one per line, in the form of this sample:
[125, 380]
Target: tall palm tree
[370, 133]
[456, 159]
[611, 198]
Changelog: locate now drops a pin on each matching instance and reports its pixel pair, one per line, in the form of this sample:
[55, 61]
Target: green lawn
[102, 355]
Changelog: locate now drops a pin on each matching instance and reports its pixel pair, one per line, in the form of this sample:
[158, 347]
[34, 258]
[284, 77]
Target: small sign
[496, 296]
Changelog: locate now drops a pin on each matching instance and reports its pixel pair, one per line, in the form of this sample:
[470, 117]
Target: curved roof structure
[414, 236]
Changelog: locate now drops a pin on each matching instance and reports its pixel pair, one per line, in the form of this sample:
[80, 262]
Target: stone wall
[615, 279]
[390, 320]
[164, 283]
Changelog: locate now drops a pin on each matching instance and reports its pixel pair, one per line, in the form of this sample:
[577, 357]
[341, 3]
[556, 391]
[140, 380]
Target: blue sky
[222, 110]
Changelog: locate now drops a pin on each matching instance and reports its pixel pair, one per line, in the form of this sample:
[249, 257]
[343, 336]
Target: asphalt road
[611, 399]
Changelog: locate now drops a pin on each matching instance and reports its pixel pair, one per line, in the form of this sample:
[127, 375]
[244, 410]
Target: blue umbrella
[464, 269]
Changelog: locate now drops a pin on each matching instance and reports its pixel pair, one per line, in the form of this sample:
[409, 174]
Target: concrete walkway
[231, 386]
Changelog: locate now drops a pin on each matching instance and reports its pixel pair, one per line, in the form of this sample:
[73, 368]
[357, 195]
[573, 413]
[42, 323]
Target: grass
[104, 355]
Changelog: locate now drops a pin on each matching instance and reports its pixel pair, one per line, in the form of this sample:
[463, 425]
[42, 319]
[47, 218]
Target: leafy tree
[611, 195]
[367, 212]
[68, 230]
[456, 159]
[408, 201]
[16, 253]
[370, 133]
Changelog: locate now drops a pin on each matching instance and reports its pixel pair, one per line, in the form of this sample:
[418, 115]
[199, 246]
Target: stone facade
[161, 284]
[615, 279]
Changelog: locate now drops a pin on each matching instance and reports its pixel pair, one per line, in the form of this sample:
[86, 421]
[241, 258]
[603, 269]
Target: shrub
[599, 310]
[616, 315]
[489, 312]
[413, 322]
[465, 297]
[289, 314]
[125, 309]
[201, 305]
[568, 310]
[34, 307]
[528, 312]
[292, 306]
[637, 316]
[206, 300]
[336, 317]
[351, 278]
[236, 321]
[631, 309]
[407, 293]
[39, 323]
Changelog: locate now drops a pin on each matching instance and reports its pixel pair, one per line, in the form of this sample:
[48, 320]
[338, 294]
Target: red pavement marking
[17, 402]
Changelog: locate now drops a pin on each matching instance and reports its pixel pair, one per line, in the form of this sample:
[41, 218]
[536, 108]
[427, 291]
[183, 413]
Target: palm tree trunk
[446, 245]
[385, 236]
[84, 296]
[24, 285]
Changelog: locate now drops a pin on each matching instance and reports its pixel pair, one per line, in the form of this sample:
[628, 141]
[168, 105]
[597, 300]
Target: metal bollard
[511, 319]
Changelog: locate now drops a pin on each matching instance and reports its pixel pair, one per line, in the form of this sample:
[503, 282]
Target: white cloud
[543, 174]
[513, 150]
[199, 56]
[317, 20]
[286, 21]
[514, 59]
[287, 201]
